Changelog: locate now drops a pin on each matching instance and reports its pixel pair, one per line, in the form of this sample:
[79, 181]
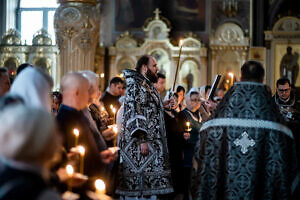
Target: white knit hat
[24, 132]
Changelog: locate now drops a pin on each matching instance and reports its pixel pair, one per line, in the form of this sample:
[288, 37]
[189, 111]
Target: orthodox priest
[144, 170]
[243, 151]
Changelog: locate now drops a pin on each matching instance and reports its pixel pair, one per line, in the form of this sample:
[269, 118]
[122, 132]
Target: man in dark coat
[74, 89]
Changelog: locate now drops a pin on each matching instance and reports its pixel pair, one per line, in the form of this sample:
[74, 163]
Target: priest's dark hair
[252, 71]
[144, 60]
[283, 81]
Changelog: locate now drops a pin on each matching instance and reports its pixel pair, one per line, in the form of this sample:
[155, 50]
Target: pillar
[77, 25]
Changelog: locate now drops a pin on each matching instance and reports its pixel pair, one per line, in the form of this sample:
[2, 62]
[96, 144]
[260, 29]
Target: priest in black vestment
[244, 152]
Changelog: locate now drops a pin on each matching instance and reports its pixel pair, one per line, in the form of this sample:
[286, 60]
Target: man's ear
[144, 69]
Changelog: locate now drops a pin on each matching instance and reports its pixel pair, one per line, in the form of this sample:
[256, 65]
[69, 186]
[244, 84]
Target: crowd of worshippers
[144, 141]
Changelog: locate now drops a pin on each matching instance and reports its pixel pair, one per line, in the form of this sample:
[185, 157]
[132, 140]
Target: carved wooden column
[76, 25]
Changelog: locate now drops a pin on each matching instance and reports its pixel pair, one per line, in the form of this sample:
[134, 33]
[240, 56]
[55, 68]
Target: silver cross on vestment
[245, 142]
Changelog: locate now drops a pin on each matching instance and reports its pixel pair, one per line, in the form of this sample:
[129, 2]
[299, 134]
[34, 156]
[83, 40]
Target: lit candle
[188, 125]
[70, 172]
[100, 186]
[114, 110]
[111, 106]
[81, 151]
[102, 75]
[76, 133]
[231, 76]
[115, 130]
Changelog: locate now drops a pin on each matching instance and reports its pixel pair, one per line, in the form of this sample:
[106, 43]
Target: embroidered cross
[245, 142]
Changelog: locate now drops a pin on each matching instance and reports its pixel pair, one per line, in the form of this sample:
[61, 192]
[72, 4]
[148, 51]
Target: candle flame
[102, 75]
[99, 185]
[114, 110]
[115, 129]
[81, 150]
[69, 170]
[180, 43]
[76, 132]
[111, 106]
[188, 124]
[230, 74]
[102, 109]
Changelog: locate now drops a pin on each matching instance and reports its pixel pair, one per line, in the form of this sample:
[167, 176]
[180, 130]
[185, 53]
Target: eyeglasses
[284, 90]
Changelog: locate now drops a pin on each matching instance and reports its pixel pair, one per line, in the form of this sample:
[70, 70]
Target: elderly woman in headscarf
[28, 144]
[33, 86]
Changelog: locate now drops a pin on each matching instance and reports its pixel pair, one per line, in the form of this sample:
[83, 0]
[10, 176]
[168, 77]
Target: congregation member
[192, 115]
[286, 101]
[289, 108]
[33, 86]
[243, 151]
[56, 101]
[176, 142]
[160, 85]
[22, 67]
[29, 143]
[75, 91]
[112, 95]
[93, 97]
[180, 91]
[144, 170]
[4, 81]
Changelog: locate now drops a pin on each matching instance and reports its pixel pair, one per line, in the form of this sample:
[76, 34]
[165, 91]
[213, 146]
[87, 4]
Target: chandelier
[230, 7]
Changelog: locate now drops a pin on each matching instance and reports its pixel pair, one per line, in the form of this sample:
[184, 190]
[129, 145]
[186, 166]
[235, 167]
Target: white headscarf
[25, 131]
[34, 87]
[194, 89]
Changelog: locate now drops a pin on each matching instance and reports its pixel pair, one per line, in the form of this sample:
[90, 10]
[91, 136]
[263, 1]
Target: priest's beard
[151, 76]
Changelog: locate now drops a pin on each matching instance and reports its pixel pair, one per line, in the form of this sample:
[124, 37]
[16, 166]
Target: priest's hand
[144, 149]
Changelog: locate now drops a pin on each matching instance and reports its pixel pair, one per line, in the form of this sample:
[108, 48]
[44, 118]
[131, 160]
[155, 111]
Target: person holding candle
[74, 88]
[176, 143]
[93, 96]
[190, 120]
[112, 95]
[144, 170]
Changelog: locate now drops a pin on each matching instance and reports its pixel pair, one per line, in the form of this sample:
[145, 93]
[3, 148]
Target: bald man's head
[74, 88]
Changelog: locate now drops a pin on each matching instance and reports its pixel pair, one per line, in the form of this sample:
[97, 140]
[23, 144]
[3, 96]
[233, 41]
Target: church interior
[59, 133]
[107, 36]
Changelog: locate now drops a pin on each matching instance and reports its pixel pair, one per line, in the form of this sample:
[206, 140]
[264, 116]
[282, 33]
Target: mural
[188, 15]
